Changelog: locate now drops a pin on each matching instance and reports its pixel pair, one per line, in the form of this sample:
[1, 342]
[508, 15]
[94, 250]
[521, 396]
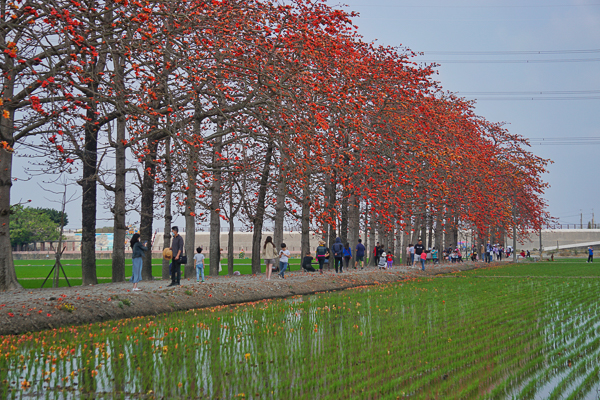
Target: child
[390, 260]
[434, 255]
[199, 258]
[284, 255]
[382, 261]
[307, 263]
[423, 258]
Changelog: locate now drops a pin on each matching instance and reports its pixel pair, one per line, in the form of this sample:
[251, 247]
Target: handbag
[183, 260]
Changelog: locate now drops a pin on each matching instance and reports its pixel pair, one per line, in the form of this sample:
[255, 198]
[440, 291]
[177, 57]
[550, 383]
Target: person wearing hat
[177, 249]
[322, 254]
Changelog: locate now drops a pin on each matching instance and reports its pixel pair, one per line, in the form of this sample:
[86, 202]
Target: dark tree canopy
[54, 215]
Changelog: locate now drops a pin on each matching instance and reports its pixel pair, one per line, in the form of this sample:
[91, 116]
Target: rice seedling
[463, 337]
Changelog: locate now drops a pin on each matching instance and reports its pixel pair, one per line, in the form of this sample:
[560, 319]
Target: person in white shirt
[284, 256]
[199, 261]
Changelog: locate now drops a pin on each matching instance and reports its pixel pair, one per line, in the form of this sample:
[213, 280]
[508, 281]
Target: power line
[541, 92]
[516, 52]
[554, 98]
[565, 141]
[473, 6]
[556, 60]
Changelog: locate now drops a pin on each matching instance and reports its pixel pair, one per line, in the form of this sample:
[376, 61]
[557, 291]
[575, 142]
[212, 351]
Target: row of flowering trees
[247, 109]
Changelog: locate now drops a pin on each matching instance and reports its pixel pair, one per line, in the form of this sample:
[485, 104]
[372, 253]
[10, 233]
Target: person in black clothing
[338, 254]
[379, 253]
[419, 249]
[307, 263]
[177, 248]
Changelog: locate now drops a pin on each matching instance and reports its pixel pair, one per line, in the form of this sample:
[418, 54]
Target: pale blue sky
[493, 26]
[500, 26]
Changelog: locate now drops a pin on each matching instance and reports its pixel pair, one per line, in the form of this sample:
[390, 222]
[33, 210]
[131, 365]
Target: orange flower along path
[40, 309]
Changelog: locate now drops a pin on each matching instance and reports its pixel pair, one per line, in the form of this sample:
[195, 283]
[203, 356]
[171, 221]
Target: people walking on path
[412, 255]
[434, 256]
[419, 249]
[284, 256]
[338, 254]
[322, 254]
[139, 251]
[488, 252]
[376, 254]
[269, 254]
[360, 254]
[347, 255]
[177, 249]
[307, 263]
[590, 254]
[408, 260]
[199, 261]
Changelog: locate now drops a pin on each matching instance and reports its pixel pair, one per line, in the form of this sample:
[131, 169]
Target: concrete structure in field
[552, 240]
[557, 239]
[242, 241]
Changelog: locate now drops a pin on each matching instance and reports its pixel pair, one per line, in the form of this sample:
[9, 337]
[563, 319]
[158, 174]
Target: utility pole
[541, 248]
[514, 234]
[580, 220]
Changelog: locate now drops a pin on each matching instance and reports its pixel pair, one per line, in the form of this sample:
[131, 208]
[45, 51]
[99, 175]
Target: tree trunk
[215, 206]
[423, 234]
[8, 276]
[119, 227]
[430, 227]
[230, 236]
[190, 213]
[89, 197]
[414, 237]
[332, 234]
[353, 225]
[344, 215]
[400, 251]
[168, 212]
[391, 246]
[326, 207]
[279, 209]
[372, 224]
[259, 216]
[366, 232]
[305, 222]
[439, 233]
[147, 204]
[455, 232]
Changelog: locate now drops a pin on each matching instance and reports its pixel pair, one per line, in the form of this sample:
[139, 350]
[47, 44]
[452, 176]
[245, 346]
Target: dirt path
[39, 309]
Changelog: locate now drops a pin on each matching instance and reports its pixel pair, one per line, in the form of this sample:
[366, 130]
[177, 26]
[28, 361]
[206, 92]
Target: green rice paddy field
[526, 331]
[31, 273]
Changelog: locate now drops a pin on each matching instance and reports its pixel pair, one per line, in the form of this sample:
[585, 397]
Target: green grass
[35, 271]
[560, 267]
[451, 338]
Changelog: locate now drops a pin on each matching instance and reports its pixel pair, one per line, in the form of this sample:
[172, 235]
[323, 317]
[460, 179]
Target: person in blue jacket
[590, 254]
[347, 255]
[360, 254]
